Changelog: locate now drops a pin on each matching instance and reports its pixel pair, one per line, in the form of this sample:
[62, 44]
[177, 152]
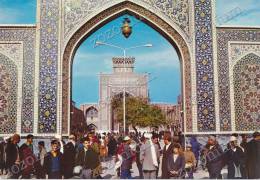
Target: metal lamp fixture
[126, 28]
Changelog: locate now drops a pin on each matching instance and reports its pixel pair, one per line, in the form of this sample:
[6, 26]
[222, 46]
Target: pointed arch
[149, 18]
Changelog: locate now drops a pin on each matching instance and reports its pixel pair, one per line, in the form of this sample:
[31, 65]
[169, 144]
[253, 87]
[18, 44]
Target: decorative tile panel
[75, 11]
[27, 36]
[49, 34]
[247, 93]
[239, 49]
[204, 65]
[225, 35]
[8, 95]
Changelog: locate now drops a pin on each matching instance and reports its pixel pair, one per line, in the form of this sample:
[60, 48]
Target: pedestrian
[214, 158]
[235, 158]
[103, 147]
[69, 156]
[119, 151]
[3, 146]
[53, 162]
[12, 157]
[176, 163]
[138, 162]
[253, 157]
[94, 142]
[149, 156]
[190, 161]
[181, 138]
[27, 157]
[167, 154]
[112, 144]
[155, 139]
[88, 159]
[195, 145]
[244, 141]
[40, 172]
[127, 159]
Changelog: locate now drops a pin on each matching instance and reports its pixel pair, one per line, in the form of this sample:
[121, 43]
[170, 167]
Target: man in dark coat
[3, 145]
[235, 158]
[167, 154]
[138, 162]
[12, 157]
[253, 157]
[27, 157]
[214, 158]
[53, 162]
[69, 156]
[88, 158]
[176, 163]
[195, 145]
[244, 141]
[112, 145]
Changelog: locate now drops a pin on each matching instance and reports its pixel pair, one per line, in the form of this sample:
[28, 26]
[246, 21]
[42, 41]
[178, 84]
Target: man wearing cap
[253, 156]
[149, 156]
[235, 159]
[127, 159]
[69, 157]
[214, 158]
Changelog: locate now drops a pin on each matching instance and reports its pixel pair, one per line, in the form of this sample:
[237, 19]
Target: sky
[160, 61]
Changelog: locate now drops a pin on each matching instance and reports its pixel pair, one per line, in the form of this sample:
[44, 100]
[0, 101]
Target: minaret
[123, 66]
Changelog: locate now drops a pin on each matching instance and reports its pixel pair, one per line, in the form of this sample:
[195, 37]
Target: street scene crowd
[176, 155]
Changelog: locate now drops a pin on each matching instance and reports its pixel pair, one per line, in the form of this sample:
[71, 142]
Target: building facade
[220, 65]
[122, 79]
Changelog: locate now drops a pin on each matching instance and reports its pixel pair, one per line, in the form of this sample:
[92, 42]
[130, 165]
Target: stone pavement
[110, 173]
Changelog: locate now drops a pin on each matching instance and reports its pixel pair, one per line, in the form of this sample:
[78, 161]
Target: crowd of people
[82, 157]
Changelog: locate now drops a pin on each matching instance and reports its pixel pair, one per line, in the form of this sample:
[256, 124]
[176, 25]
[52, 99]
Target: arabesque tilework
[27, 36]
[224, 36]
[49, 34]
[8, 95]
[246, 74]
[204, 66]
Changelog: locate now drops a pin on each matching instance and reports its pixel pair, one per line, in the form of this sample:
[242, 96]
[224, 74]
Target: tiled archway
[151, 19]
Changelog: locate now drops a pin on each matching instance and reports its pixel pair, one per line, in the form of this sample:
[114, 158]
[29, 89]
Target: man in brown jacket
[190, 161]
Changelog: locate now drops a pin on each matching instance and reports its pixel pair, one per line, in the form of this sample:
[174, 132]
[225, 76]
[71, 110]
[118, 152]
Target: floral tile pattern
[225, 35]
[27, 36]
[75, 11]
[8, 95]
[247, 93]
[48, 66]
[204, 66]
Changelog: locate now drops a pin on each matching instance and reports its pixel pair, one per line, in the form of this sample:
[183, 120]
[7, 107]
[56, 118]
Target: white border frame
[231, 78]
[215, 66]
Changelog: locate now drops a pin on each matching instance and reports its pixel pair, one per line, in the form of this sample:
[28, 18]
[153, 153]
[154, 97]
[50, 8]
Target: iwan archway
[152, 19]
[210, 79]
